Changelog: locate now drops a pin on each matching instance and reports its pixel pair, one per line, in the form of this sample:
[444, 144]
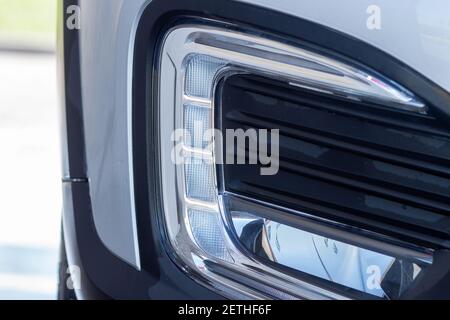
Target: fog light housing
[228, 243]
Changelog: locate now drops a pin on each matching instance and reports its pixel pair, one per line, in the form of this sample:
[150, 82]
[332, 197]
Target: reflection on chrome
[364, 270]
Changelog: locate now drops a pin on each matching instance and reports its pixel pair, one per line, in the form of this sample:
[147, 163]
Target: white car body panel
[416, 32]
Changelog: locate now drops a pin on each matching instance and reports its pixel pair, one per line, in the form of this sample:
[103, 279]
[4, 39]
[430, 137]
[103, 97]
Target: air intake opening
[357, 163]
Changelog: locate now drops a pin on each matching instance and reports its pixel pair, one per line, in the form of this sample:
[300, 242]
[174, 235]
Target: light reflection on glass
[357, 268]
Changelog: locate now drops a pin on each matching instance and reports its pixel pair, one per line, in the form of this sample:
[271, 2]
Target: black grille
[367, 166]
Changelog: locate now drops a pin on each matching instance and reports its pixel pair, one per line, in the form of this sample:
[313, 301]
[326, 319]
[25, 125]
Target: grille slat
[358, 133]
[387, 191]
[415, 122]
[338, 164]
[404, 228]
[324, 139]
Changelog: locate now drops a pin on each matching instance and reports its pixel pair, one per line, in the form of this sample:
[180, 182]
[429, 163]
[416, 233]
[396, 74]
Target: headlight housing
[209, 231]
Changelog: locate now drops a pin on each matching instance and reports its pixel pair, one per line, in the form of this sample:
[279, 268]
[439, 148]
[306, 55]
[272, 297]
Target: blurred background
[30, 193]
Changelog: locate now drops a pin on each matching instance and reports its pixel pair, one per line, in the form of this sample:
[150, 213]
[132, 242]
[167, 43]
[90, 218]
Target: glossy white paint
[106, 41]
[414, 31]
